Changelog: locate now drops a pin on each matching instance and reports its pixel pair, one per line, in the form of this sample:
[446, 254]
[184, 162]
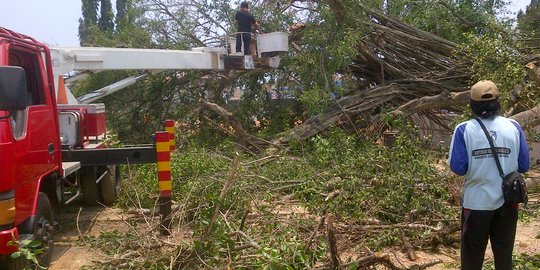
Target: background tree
[121, 11]
[88, 21]
[529, 26]
[106, 18]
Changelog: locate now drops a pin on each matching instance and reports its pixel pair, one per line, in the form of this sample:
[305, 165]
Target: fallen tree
[400, 70]
[410, 71]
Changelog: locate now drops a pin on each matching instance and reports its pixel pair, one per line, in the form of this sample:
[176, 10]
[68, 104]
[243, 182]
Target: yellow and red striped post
[163, 150]
[169, 127]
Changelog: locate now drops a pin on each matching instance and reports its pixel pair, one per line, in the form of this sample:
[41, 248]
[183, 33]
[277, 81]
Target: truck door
[34, 132]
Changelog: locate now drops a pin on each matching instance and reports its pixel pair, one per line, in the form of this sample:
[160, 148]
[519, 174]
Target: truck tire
[110, 185]
[43, 232]
[8, 263]
[44, 229]
[89, 186]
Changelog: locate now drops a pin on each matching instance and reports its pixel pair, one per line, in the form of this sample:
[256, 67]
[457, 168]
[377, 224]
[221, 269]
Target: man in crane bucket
[244, 20]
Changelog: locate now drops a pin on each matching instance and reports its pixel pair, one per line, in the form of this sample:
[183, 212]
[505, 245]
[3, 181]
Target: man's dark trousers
[243, 37]
[477, 226]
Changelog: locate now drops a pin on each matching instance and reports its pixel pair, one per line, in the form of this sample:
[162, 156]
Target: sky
[56, 22]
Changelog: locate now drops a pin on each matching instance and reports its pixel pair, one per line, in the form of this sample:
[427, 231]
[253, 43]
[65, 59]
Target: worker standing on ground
[484, 214]
[244, 20]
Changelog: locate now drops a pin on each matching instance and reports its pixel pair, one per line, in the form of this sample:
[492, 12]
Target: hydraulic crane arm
[72, 61]
[97, 59]
[109, 89]
[80, 60]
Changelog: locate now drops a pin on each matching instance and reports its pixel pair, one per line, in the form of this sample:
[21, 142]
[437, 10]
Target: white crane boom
[76, 60]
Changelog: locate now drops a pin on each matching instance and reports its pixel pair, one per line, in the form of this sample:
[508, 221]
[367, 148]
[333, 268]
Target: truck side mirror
[12, 88]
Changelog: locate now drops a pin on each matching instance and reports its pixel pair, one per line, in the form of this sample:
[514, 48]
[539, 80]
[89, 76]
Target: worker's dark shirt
[245, 20]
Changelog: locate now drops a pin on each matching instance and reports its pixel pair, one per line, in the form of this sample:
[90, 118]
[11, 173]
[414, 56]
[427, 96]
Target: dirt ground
[70, 251]
[527, 242]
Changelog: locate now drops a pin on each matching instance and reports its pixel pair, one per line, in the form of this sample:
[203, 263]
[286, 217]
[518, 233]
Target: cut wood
[223, 193]
[331, 239]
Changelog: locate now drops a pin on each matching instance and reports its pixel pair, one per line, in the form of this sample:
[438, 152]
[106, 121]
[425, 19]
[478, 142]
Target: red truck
[52, 145]
[42, 171]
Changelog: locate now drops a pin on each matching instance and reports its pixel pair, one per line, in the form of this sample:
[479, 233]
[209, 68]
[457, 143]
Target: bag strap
[490, 140]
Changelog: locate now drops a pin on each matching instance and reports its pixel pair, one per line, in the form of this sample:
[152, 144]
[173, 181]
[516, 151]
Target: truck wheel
[43, 233]
[110, 185]
[89, 186]
[8, 263]
[44, 229]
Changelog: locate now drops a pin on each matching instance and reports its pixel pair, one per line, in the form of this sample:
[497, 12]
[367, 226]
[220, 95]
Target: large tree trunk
[528, 119]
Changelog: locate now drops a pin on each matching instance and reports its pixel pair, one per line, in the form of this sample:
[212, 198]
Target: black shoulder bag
[513, 185]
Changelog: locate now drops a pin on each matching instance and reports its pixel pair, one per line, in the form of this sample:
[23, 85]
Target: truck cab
[29, 142]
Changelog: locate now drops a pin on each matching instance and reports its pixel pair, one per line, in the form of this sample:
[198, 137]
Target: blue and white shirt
[470, 155]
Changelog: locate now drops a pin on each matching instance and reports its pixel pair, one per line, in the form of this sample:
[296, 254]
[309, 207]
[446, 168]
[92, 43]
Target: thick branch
[528, 119]
[337, 7]
[250, 243]
[332, 244]
[445, 99]
[244, 138]
[533, 70]
[226, 186]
